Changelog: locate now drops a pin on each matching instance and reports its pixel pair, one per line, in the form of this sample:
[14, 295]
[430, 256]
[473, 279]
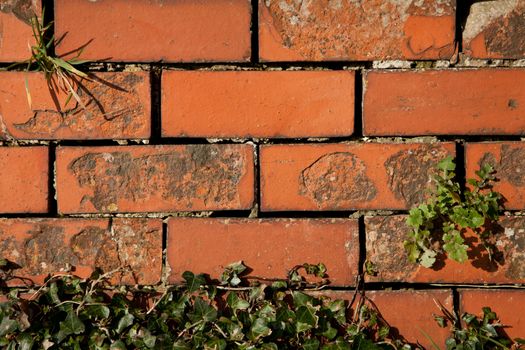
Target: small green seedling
[437, 224]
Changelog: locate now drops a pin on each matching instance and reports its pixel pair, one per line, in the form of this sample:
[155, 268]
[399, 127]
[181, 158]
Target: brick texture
[350, 30]
[347, 176]
[269, 247]
[152, 30]
[506, 303]
[444, 102]
[258, 104]
[16, 35]
[24, 173]
[113, 105]
[47, 246]
[508, 160]
[159, 178]
[495, 29]
[385, 234]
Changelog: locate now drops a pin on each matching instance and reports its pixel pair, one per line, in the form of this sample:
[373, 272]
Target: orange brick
[171, 31]
[154, 178]
[506, 303]
[385, 234]
[116, 106]
[444, 102]
[16, 35]
[495, 30]
[347, 176]
[258, 104]
[356, 30]
[270, 247]
[48, 246]
[508, 159]
[410, 312]
[24, 175]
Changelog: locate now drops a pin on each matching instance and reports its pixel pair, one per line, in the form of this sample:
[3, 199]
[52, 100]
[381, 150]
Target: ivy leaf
[118, 345]
[311, 344]
[202, 311]
[181, 345]
[7, 326]
[259, 329]
[306, 318]
[71, 325]
[124, 322]
[25, 341]
[193, 282]
[237, 303]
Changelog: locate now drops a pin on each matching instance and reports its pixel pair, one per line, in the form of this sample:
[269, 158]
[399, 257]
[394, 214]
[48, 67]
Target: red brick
[154, 178]
[152, 30]
[116, 106]
[495, 29]
[508, 159]
[506, 303]
[409, 312]
[48, 246]
[16, 35]
[347, 176]
[258, 104]
[356, 30]
[385, 234]
[444, 102]
[270, 247]
[24, 173]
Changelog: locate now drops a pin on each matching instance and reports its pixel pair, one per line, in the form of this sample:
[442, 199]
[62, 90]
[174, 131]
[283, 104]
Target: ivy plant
[232, 313]
[437, 224]
[471, 332]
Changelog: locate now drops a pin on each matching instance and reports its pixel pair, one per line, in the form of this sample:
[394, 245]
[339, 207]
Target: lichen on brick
[496, 29]
[24, 10]
[337, 180]
[410, 172]
[385, 250]
[203, 172]
[356, 29]
[510, 166]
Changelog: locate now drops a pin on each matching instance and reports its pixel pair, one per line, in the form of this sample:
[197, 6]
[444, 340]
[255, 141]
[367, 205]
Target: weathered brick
[444, 102]
[409, 312]
[506, 303]
[495, 29]
[508, 160]
[269, 247]
[154, 178]
[24, 173]
[47, 246]
[347, 176]
[356, 30]
[385, 234]
[115, 106]
[258, 104]
[152, 30]
[16, 35]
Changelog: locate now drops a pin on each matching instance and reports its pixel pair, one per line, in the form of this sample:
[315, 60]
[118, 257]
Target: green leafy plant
[437, 224]
[233, 313]
[477, 332]
[61, 74]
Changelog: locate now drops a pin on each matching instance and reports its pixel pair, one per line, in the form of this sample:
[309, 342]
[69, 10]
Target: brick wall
[274, 132]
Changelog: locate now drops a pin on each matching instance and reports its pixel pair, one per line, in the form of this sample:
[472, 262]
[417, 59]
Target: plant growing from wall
[61, 74]
[67, 312]
[437, 224]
